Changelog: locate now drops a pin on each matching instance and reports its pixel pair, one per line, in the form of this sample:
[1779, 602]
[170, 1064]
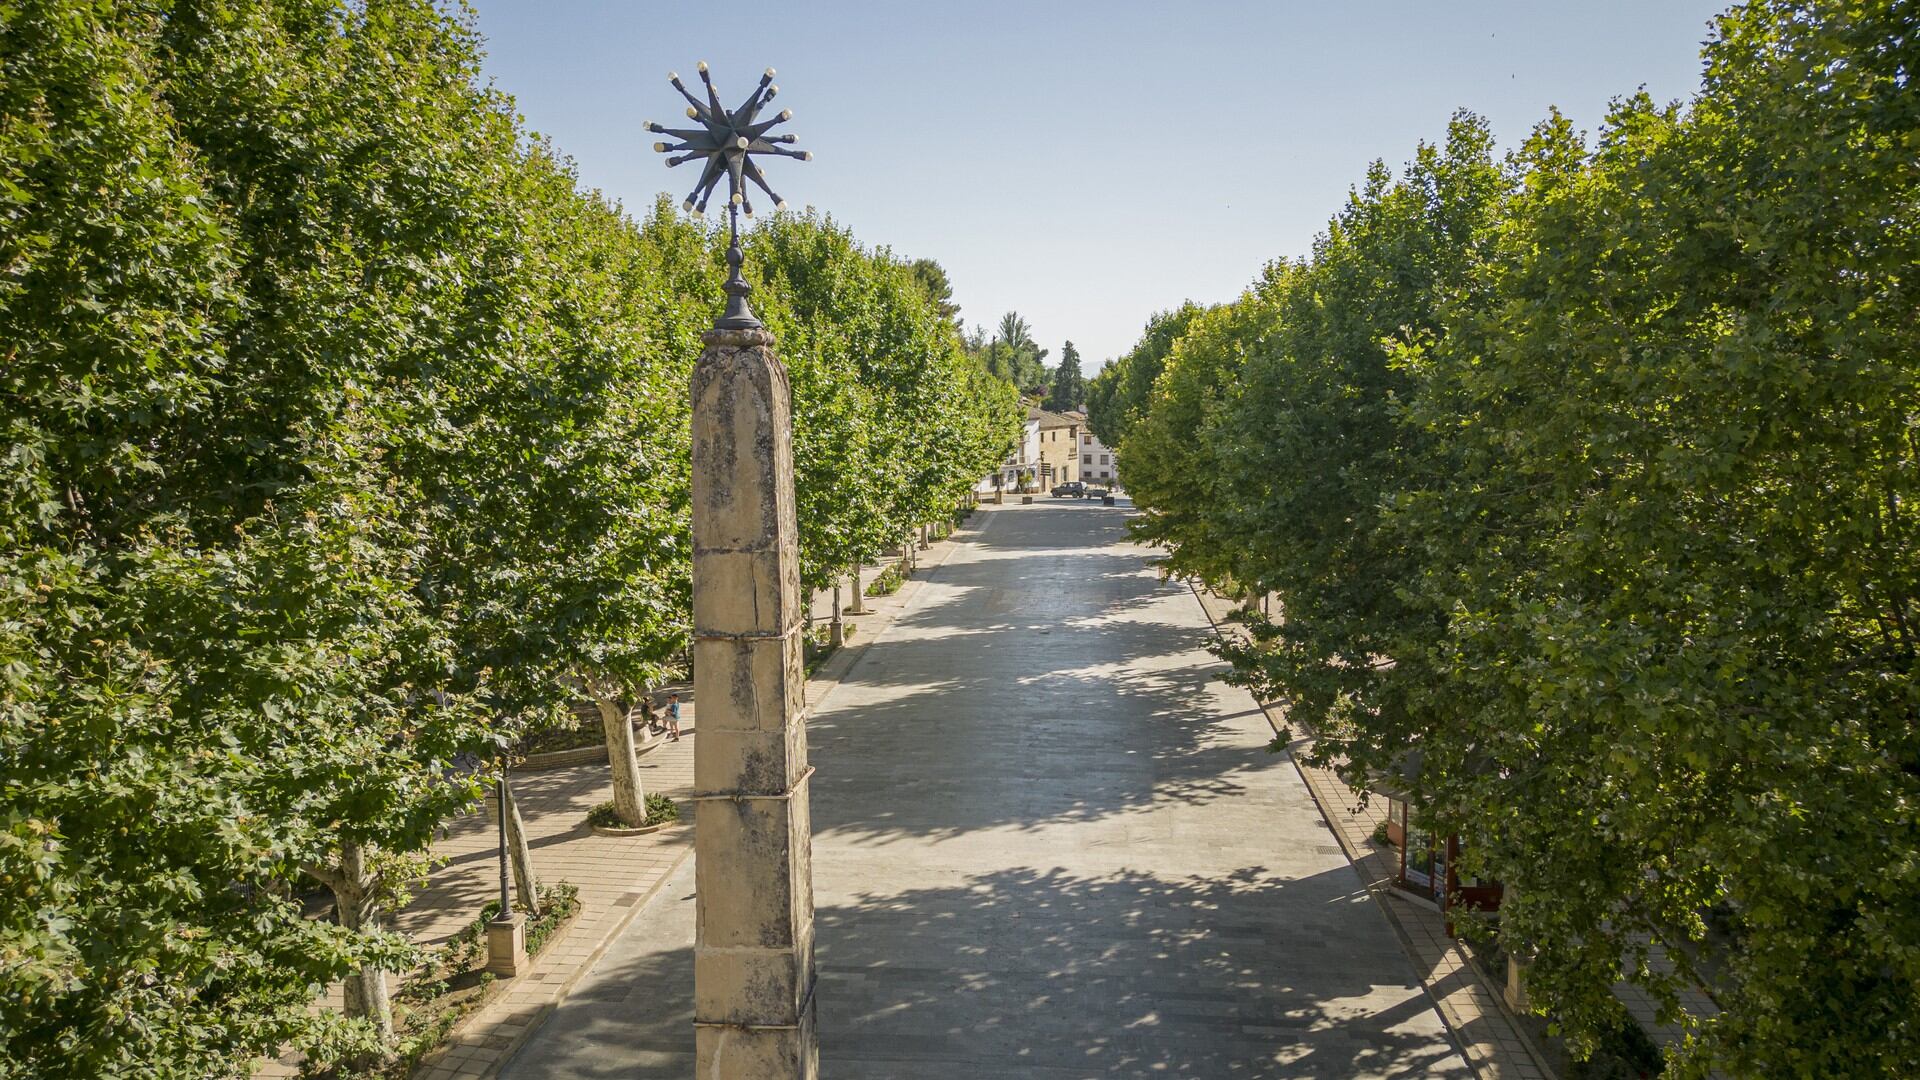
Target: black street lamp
[727, 141]
[500, 797]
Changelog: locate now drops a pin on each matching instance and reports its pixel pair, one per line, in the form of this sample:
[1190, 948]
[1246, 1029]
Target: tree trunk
[526, 887]
[859, 592]
[629, 798]
[837, 635]
[355, 899]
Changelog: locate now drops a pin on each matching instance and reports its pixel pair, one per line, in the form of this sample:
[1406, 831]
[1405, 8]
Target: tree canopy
[1013, 356]
[347, 438]
[1585, 481]
[1067, 390]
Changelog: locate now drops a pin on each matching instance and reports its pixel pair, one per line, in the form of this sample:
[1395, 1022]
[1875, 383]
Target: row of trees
[347, 439]
[1586, 480]
[1010, 352]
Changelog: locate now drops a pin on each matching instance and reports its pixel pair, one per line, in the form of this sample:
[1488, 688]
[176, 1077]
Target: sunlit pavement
[1048, 843]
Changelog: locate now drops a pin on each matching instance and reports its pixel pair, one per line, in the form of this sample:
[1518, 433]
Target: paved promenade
[1049, 843]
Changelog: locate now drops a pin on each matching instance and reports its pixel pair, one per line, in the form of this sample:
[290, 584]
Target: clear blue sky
[1084, 163]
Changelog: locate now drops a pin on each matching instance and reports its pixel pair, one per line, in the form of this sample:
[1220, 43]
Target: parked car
[1073, 487]
[1098, 493]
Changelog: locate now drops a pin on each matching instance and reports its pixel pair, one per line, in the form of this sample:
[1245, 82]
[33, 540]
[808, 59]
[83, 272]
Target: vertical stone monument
[753, 975]
[753, 949]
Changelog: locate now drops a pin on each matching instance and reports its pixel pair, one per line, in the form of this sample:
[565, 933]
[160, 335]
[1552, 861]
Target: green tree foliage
[1014, 357]
[1119, 394]
[1586, 486]
[1067, 391]
[892, 423]
[932, 278]
[345, 438]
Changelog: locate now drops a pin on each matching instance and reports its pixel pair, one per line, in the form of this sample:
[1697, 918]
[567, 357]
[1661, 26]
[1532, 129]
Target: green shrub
[887, 582]
[661, 809]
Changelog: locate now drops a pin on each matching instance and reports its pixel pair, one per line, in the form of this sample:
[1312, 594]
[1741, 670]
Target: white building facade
[1096, 464]
[1055, 448]
[1024, 461]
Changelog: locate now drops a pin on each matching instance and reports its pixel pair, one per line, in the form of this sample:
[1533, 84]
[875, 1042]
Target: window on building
[1103, 459]
[1086, 459]
[1086, 440]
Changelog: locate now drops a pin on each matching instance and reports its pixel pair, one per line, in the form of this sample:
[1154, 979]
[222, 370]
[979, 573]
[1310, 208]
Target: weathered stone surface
[753, 946]
[747, 593]
[762, 897]
[741, 1052]
[752, 684]
[743, 447]
[763, 762]
[752, 986]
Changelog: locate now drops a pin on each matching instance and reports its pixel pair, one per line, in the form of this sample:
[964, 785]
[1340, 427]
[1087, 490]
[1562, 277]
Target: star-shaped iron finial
[727, 141]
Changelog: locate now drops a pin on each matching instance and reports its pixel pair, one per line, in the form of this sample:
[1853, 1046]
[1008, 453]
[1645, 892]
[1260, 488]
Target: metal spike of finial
[727, 141]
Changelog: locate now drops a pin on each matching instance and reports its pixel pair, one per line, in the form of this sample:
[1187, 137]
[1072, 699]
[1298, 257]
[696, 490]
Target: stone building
[1096, 462]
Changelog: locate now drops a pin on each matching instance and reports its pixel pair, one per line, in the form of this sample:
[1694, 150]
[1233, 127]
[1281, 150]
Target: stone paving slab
[1049, 843]
[1494, 1045]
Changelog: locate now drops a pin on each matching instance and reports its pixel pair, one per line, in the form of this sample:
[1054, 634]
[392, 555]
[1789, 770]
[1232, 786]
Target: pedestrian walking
[673, 717]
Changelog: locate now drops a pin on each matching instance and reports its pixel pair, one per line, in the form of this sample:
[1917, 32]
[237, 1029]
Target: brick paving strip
[1494, 1044]
[615, 874]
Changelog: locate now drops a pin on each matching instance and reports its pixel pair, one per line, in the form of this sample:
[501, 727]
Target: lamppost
[507, 930]
[753, 967]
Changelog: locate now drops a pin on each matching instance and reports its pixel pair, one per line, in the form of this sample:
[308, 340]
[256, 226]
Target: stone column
[753, 947]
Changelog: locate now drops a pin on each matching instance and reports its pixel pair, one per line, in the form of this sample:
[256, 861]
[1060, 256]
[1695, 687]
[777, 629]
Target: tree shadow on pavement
[1045, 974]
[957, 721]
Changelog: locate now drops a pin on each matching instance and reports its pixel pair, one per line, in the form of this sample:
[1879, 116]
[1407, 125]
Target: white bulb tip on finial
[688, 205]
[741, 142]
[673, 76]
[659, 148]
[781, 205]
[703, 65]
[806, 155]
[786, 114]
[769, 73]
[693, 113]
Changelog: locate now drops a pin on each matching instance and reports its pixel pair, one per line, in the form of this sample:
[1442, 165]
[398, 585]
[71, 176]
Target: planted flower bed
[449, 984]
[887, 582]
[661, 812]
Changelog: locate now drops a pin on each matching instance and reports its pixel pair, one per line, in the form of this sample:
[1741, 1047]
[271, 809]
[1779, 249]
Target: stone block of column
[749, 684]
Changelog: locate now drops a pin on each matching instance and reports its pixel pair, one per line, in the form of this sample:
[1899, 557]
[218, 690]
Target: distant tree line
[347, 440]
[1587, 481]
